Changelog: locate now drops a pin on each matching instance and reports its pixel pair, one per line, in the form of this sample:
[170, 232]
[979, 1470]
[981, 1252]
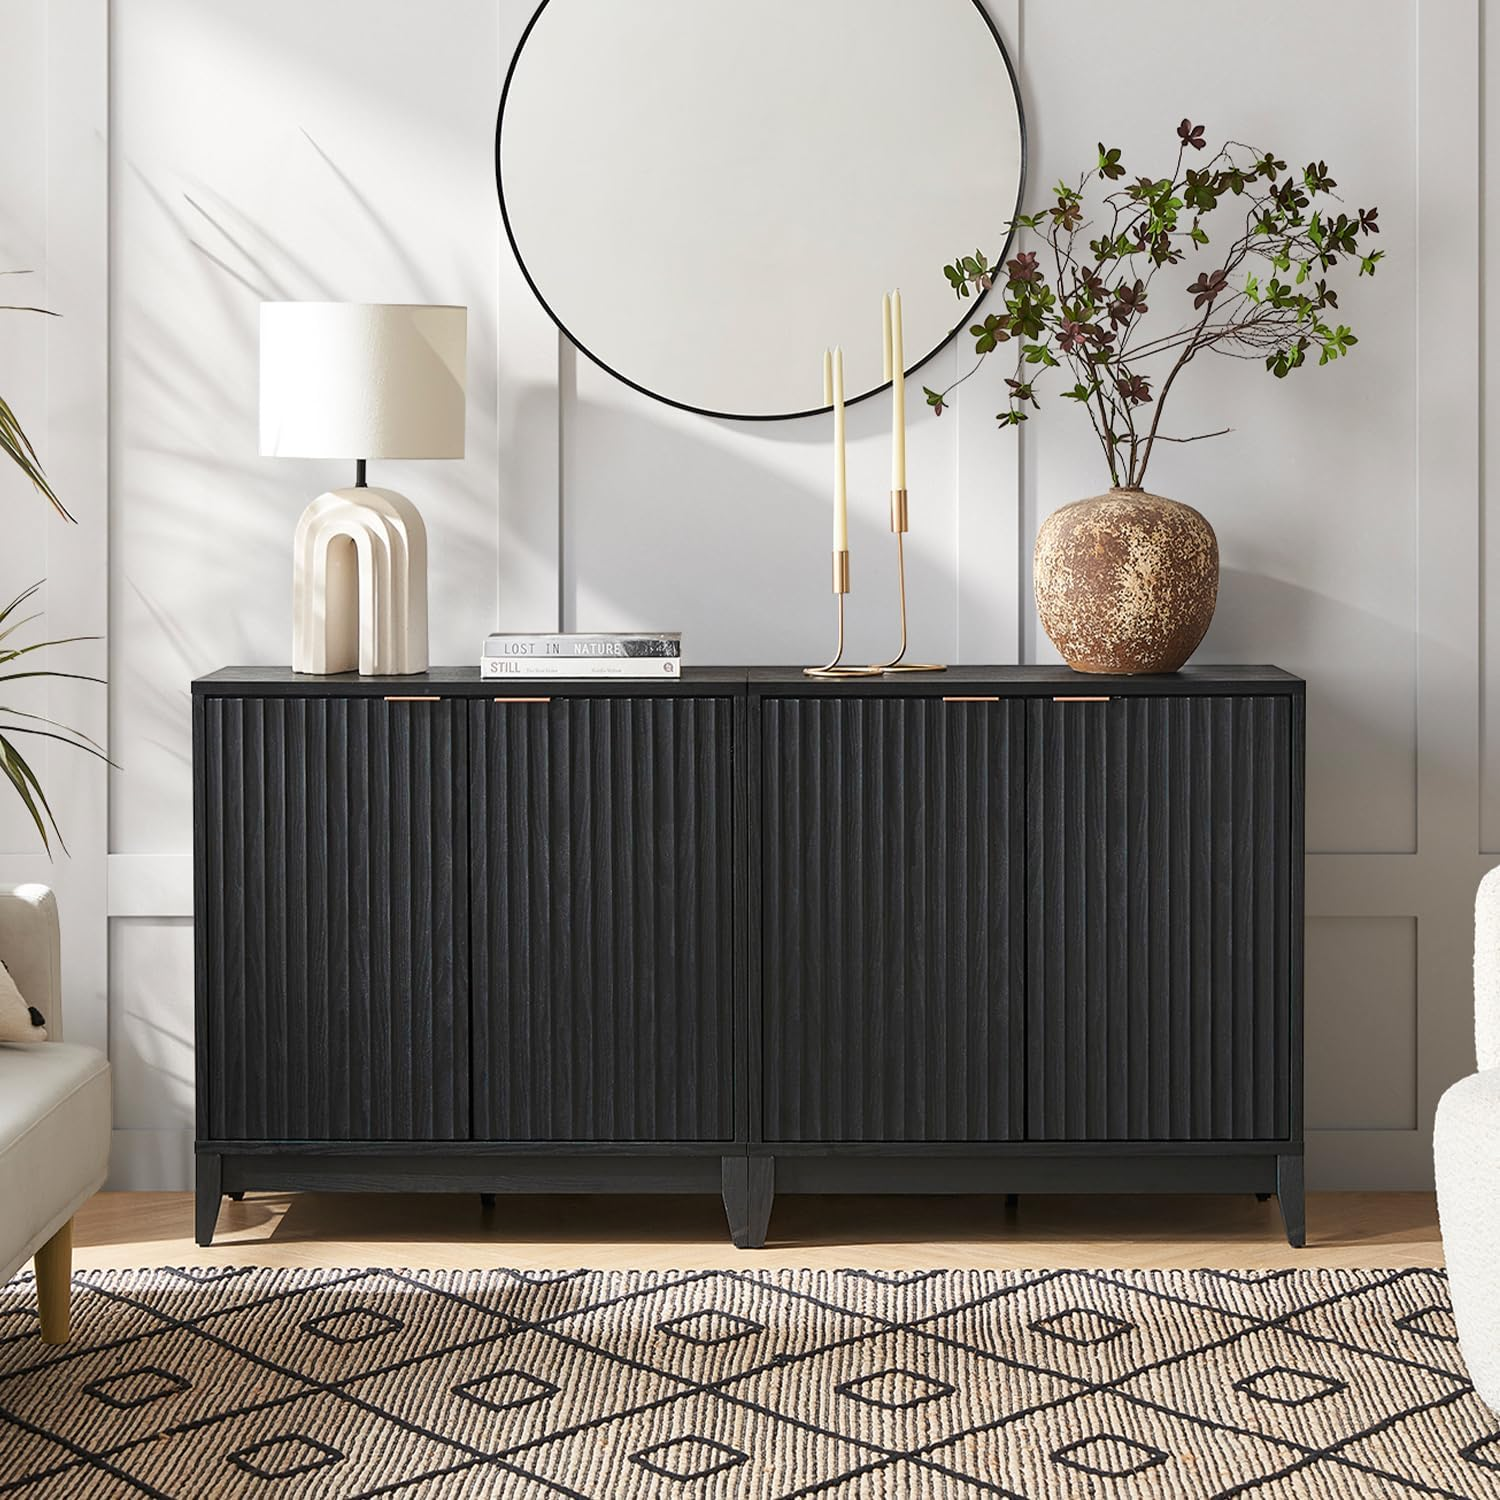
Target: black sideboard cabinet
[1003, 930]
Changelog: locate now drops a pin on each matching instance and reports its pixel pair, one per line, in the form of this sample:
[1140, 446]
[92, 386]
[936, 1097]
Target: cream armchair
[54, 1114]
[1466, 1150]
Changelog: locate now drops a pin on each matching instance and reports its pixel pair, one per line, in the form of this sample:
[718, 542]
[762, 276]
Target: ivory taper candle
[897, 364]
[840, 475]
[885, 330]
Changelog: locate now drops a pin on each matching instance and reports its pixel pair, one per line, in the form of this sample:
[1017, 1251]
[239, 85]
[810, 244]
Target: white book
[538, 668]
[662, 643]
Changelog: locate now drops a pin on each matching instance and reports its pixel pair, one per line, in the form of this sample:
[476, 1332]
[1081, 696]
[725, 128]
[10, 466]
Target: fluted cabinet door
[1160, 926]
[335, 930]
[603, 868]
[892, 938]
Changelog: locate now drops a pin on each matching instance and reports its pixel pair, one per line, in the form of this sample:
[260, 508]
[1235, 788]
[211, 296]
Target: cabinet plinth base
[748, 1180]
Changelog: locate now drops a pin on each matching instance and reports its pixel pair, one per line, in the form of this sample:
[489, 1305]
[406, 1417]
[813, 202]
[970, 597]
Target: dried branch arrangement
[1082, 303]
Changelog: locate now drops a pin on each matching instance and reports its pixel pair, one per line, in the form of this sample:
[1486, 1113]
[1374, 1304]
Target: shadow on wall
[1352, 733]
[680, 522]
[201, 525]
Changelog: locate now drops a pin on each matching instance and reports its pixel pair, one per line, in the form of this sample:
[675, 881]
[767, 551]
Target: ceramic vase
[1126, 582]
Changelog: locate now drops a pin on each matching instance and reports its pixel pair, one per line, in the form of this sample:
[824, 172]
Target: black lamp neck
[359, 474]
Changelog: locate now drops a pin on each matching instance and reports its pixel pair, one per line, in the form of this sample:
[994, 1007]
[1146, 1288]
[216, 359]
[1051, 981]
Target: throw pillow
[19, 1022]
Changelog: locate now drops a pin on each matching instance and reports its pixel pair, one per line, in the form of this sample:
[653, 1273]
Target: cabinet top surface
[1010, 681]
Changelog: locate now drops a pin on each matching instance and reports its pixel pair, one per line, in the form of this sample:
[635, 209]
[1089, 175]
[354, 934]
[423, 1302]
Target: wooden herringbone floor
[1344, 1229]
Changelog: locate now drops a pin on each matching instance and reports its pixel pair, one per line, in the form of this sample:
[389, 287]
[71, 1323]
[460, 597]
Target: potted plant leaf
[20, 661]
[1127, 581]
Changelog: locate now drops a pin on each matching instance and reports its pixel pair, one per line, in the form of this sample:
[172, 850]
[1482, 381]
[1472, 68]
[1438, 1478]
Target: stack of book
[585, 655]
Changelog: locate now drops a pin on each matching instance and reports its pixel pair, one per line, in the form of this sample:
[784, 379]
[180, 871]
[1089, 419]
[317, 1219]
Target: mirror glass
[705, 194]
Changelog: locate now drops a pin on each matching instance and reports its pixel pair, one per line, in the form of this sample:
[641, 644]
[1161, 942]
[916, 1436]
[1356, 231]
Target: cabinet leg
[1290, 1195]
[749, 1191]
[206, 1197]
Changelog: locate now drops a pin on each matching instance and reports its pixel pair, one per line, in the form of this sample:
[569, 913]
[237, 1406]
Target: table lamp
[358, 380]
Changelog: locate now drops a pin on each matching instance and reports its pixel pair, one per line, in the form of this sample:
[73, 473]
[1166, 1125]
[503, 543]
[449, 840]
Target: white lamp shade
[362, 380]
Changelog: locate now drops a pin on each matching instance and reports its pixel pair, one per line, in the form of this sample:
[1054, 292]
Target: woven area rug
[743, 1383]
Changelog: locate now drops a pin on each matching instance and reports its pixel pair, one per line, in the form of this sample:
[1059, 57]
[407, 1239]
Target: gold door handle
[413, 698]
[522, 700]
[1083, 699]
[971, 697]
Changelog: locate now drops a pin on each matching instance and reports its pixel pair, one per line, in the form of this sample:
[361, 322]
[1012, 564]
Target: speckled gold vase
[1126, 582]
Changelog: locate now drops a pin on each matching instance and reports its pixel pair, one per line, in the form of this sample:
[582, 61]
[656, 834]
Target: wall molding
[76, 448]
[1435, 885]
[150, 885]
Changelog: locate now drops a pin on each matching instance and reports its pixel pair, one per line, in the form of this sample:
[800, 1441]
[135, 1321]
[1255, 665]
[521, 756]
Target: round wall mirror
[705, 194]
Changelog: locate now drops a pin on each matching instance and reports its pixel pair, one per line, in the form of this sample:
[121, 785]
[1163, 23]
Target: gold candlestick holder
[837, 667]
[898, 662]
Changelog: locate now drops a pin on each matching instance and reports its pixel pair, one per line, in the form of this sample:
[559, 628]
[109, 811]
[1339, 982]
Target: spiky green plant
[13, 440]
[13, 763]
[17, 722]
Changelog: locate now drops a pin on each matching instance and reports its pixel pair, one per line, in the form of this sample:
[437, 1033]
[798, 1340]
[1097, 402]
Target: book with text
[583, 644]
[539, 668]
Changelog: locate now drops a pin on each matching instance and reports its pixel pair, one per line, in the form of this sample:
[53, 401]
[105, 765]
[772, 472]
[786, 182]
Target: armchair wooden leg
[54, 1270]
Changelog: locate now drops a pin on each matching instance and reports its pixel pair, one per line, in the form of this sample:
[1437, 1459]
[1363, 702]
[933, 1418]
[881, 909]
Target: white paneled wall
[344, 150]
[54, 224]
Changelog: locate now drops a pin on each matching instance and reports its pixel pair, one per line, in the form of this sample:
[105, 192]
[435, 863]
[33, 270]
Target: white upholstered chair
[1466, 1149]
[54, 1114]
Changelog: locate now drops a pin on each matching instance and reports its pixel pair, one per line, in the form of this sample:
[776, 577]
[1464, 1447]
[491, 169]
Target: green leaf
[23, 779]
[13, 764]
[17, 446]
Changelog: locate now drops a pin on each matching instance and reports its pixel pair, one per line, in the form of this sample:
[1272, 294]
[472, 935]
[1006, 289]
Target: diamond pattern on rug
[1430, 1322]
[1335, 1392]
[687, 1458]
[1160, 1454]
[781, 1455]
[635, 1325]
[745, 1385]
[838, 1389]
[1107, 1455]
[1406, 1314]
[286, 1457]
[318, 1446]
[711, 1326]
[352, 1325]
[894, 1390]
[1450, 1446]
[505, 1390]
[1288, 1387]
[201, 1381]
[138, 1387]
[1086, 1327]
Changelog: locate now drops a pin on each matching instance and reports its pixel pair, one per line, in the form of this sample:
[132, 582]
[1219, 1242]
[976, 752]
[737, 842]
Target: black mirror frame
[702, 411]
